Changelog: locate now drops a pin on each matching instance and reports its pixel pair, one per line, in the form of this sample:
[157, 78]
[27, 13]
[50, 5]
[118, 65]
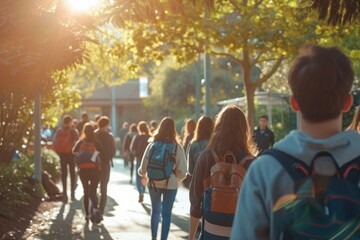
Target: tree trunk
[250, 93]
[249, 89]
[6, 155]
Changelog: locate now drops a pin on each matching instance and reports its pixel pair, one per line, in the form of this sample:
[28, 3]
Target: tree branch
[256, 59]
[270, 73]
[239, 61]
[236, 6]
[257, 3]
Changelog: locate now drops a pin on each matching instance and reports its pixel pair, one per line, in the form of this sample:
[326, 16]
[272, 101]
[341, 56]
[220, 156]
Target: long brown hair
[355, 124]
[88, 132]
[189, 129]
[231, 133]
[204, 129]
[143, 128]
[166, 131]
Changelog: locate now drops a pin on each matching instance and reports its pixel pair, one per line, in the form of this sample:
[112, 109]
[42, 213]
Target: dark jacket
[138, 145]
[107, 141]
[264, 139]
[193, 152]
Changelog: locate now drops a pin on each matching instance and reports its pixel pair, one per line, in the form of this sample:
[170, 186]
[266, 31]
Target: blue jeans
[164, 206]
[139, 186]
[209, 236]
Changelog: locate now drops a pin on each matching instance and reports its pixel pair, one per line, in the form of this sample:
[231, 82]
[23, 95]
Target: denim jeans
[208, 236]
[139, 186]
[163, 206]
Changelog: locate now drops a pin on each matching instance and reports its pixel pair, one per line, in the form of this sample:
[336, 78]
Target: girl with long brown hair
[163, 190]
[138, 146]
[231, 133]
[89, 170]
[203, 131]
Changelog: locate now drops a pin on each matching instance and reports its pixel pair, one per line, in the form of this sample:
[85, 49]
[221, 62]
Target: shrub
[50, 162]
[18, 185]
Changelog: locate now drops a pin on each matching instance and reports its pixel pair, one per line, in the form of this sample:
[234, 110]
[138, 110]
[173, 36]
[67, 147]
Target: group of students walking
[92, 151]
[305, 187]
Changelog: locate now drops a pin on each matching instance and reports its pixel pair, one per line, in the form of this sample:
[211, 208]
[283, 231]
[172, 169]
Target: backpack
[87, 156]
[322, 207]
[63, 142]
[161, 160]
[222, 188]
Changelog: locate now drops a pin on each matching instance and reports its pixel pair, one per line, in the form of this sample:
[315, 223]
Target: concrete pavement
[124, 217]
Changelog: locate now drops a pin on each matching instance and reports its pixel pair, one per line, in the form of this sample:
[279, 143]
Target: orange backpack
[63, 142]
[85, 157]
[222, 188]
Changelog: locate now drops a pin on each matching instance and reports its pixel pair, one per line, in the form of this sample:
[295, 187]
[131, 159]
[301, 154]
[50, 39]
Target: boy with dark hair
[84, 119]
[64, 139]
[320, 80]
[263, 136]
[103, 135]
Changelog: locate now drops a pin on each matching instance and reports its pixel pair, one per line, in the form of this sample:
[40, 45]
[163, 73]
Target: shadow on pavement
[180, 221]
[110, 206]
[61, 226]
[96, 232]
[69, 223]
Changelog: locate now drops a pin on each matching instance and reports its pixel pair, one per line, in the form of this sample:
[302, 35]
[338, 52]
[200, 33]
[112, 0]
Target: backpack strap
[295, 168]
[351, 171]
[215, 156]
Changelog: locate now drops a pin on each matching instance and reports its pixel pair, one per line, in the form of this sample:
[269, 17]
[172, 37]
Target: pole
[207, 84]
[37, 140]
[197, 94]
[206, 72]
[113, 111]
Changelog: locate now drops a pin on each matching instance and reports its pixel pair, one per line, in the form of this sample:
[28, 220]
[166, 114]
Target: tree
[173, 89]
[36, 39]
[337, 12]
[104, 66]
[250, 33]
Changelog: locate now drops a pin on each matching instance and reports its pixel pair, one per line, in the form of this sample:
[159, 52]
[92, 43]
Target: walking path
[124, 217]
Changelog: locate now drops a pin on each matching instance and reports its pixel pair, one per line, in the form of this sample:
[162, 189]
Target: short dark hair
[103, 121]
[67, 119]
[320, 80]
[264, 116]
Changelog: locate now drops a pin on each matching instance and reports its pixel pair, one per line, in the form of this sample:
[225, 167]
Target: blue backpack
[161, 160]
[322, 207]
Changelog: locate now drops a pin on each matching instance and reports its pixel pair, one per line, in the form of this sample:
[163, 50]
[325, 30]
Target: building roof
[261, 98]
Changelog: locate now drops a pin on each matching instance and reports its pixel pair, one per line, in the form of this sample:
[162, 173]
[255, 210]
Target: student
[138, 146]
[231, 133]
[163, 192]
[104, 136]
[84, 119]
[189, 130]
[89, 171]
[126, 148]
[263, 136]
[153, 126]
[123, 131]
[320, 80]
[64, 140]
[203, 130]
[355, 124]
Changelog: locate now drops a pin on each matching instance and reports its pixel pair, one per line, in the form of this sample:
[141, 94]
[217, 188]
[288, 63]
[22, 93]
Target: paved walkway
[124, 217]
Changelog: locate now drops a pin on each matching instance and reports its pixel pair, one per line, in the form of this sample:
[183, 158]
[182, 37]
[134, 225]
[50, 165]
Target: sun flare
[83, 5]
